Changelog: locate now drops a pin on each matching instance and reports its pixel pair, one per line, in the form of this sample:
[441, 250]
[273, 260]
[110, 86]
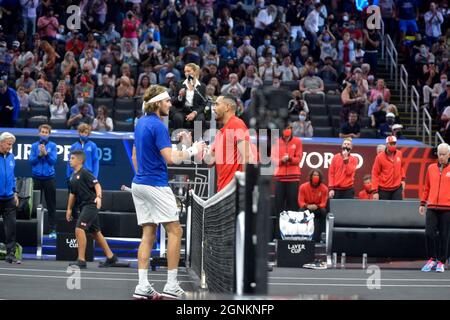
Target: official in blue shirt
[43, 158]
[90, 150]
[8, 195]
[9, 105]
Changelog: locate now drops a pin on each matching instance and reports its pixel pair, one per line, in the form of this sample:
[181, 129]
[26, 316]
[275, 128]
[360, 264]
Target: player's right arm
[70, 204]
[177, 156]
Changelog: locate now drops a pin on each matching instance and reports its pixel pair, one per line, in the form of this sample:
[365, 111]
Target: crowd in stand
[308, 48]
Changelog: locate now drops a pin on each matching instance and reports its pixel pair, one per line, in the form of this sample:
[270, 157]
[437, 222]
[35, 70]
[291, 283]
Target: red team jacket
[309, 195]
[290, 170]
[388, 172]
[341, 174]
[436, 193]
[363, 195]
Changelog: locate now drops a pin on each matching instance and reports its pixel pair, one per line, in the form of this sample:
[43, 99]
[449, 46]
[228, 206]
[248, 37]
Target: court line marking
[361, 285]
[151, 273]
[82, 278]
[358, 279]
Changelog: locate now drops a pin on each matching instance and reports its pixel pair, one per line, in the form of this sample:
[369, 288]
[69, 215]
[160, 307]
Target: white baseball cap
[391, 139]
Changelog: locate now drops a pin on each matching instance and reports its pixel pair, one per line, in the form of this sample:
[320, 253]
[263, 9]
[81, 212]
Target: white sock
[143, 278]
[172, 277]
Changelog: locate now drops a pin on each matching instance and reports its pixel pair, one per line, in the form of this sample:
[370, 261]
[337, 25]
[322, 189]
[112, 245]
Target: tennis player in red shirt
[231, 149]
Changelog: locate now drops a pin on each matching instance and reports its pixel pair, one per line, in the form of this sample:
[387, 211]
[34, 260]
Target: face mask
[326, 38]
[287, 133]
[67, 81]
[61, 30]
[345, 18]
[315, 180]
[247, 42]
[392, 149]
[261, 4]
[107, 69]
[57, 101]
[310, 73]
[390, 121]
[188, 43]
[267, 42]
[43, 139]
[443, 82]
[84, 138]
[80, 100]
[423, 51]
[367, 186]
[302, 118]
[83, 80]
[229, 42]
[379, 101]
[151, 30]
[348, 69]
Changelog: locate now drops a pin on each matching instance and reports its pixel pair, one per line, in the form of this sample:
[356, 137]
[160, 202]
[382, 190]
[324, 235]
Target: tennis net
[213, 238]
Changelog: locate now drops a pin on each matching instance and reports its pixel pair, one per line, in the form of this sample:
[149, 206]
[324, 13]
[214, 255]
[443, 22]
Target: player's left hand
[98, 201]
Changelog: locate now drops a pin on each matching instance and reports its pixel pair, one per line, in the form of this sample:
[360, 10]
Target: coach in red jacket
[313, 195]
[287, 154]
[341, 174]
[436, 196]
[365, 193]
[388, 173]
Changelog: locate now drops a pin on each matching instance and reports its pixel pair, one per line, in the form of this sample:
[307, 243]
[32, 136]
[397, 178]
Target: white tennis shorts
[154, 204]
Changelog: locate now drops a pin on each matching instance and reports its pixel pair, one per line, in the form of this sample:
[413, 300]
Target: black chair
[35, 122]
[331, 86]
[58, 124]
[124, 104]
[123, 115]
[323, 132]
[334, 109]
[320, 121]
[369, 133]
[314, 99]
[108, 102]
[336, 122]
[124, 126]
[38, 111]
[318, 110]
[333, 99]
[292, 85]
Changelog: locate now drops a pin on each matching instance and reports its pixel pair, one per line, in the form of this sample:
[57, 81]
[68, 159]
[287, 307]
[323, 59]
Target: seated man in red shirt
[313, 195]
[365, 193]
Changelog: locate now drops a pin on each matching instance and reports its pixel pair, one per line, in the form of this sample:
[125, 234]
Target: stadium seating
[314, 99]
[108, 102]
[369, 133]
[326, 132]
[58, 124]
[35, 122]
[124, 104]
[124, 126]
[378, 228]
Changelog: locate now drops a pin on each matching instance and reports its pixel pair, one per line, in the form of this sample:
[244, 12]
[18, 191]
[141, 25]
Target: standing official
[341, 175]
[8, 195]
[43, 158]
[388, 173]
[436, 197]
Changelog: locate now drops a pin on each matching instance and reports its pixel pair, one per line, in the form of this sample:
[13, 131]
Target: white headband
[159, 97]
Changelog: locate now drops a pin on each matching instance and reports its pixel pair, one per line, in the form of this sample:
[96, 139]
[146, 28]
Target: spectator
[397, 131]
[108, 76]
[49, 60]
[130, 56]
[66, 91]
[5, 59]
[433, 21]
[111, 56]
[81, 114]
[23, 98]
[327, 44]
[106, 90]
[89, 62]
[111, 35]
[40, 97]
[233, 85]
[365, 193]
[313, 196]
[286, 154]
[48, 25]
[130, 25]
[351, 129]
[341, 174]
[189, 102]
[269, 70]
[25, 81]
[126, 71]
[302, 127]
[424, 56]
[408, 14]
[372, 41]
[353, 99]
[264, 20]
[144, 84]
[377, 112]
[266, 47]
[385, 129]
[251, 79]
[432, 93]
[380, 90]
[84, 87]
[297, 104]
[287, 71]
[388, 173]
[192, 53]
[102, 122]
[346, 49]
[43, 157]
[312, 25]
[328, 72]
[312, 84]
[29, 16]
[48, 85]
[147, 46]
[75, 43]
[168, 67]
[443, 100]
[445, 124]
[228, 51]
[58, 108]
[125, 89]
[8, 195]
[69, 66]
[346, 76]
[246, 49]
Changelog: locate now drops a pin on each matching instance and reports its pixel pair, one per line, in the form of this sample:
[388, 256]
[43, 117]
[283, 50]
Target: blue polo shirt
[150, 137]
